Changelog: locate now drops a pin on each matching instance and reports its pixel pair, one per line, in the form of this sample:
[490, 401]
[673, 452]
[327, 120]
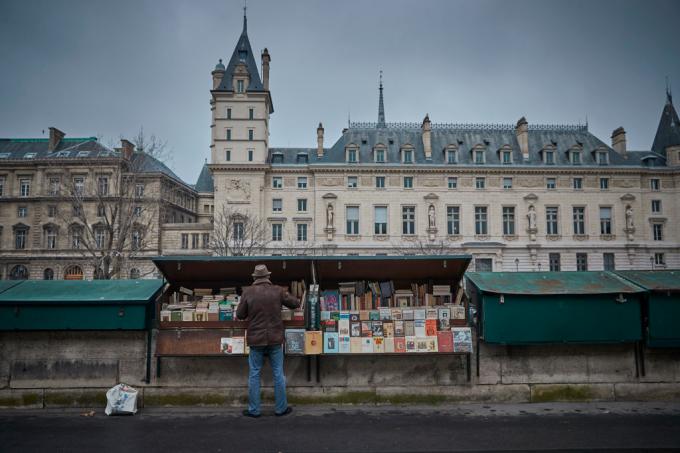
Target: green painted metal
[664, 281]
[7, 284]
[79, 305]
[551, 283]
[663, 320]
[526, 319]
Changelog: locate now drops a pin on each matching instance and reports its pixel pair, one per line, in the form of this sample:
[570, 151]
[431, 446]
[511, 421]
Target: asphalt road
[594, 427]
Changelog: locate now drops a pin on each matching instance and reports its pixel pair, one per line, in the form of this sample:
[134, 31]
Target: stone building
[516, 196]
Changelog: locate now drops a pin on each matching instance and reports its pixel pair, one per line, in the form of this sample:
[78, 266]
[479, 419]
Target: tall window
[578, 183]
[380, 155]
[302, 205]
[228, 134]
[554, 262]
[302, 232]
[51, 238]
[238, 231]
[408, 182]
[76, 237]
[250, 155]
[103, 185]
[2, 186]
[78, 185]
[453, 220]
[659, 259]
[136, 239]
[20, 235]
[605, 220]
[408, 220]
[352, 215]
[352, 182]
[380, 223]
[277, 182]
[508, 220]
[302, 182]
[576, 157]
[609, 261]
[277, 231]
[99, 237]
[380, 182]
[657, 229]
[195, 240]
[251, 134]
[480, 183]
[481, 220]
[550, 183]
[277, 205]
[185, 240]
[550, 157]
[228, 113]
[351, 155]
[239, 86]
[25, 187]
[551, 220]
[408, 156]
[507, 157]
[51, 211]
[54, 184]
[604, 183]
[582, 262]
[656, 206]
[479, 157]
[655, 184]
[602, 158]
[579, 215]
[507, 183]
[452, 182]
[451, 156]
[227, 155]
[251, 114]
[139, 190]
[22, 211]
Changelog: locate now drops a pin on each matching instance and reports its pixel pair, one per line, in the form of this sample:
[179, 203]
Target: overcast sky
[108, 67]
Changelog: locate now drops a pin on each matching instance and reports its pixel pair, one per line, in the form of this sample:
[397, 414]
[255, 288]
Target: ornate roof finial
[669, 95]
[381, 105]
[245, 19]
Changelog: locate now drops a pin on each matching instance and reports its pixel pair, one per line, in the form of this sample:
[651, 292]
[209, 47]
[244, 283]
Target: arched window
[18, 272]
[134, 273]
[48, 274]
[98, 274]
[73, 273]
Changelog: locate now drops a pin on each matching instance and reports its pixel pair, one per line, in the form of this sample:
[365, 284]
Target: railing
[472, 126]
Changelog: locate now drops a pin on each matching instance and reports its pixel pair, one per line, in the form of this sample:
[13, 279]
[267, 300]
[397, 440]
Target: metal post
[468, 367]
[149, 337]
[309, 368]
[637, 360]
[642, 358]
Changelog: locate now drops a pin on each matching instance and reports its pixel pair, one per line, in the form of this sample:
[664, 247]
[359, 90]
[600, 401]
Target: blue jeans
[255, 360]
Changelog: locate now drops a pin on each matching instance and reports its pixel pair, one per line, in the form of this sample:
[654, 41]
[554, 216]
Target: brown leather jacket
[261, 306]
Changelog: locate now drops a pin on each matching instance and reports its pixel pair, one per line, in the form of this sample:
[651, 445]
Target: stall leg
[477, 355]
[637, 360]
[468, 367]
[158, 367]
[147, 379]
[309, 368]
[317, 360]
[642, 358]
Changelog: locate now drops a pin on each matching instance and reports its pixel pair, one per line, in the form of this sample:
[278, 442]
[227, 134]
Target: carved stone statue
[329, 215]
[531, 215]
[629, 217]
[432, 217]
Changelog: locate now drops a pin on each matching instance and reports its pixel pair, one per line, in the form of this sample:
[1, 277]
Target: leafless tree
[292, 247]
[238, 233]
[419, 245]
[153, 146]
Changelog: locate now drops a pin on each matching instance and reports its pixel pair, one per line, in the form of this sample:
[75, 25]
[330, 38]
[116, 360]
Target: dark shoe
[284, 413]
[247, 413]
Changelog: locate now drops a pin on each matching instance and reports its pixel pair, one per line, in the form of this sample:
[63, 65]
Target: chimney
[128, 148]
[522, 133]
[55, 137]
[319, 141]
[265, 68]
[427, 142]
[218, 74]
[619, 141]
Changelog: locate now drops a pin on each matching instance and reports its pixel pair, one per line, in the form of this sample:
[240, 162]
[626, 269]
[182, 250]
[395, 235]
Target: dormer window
[507, 157]
[575, 157]
[277, 158]
[479, 156]
[29, 155]
[379, 154]
[240, 84]
[451, 156]
[549, 157]
[302, 158]
[352, 156]
[602, 158]
[242, 54]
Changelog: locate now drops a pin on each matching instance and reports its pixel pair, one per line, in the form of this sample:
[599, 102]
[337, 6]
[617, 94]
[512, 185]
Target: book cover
[325, 315]
[355, 329]
[295, 341]
[374, 315]
[225, 345]
[366, 328]
[313, 342]
[175, 315]
[445, 341]
[419, 313]
[335, 316]
[411, 344]
[343, 324]
[298, 315]
[238, 345]
[377, 329]
[431, 344]
[388, 329]
[226, 315]
[409, 329]
[329, 325]
[364, 315]
[366, 345]
[419, 327]
[399, 344]
[165, 315]
[355, 345]
[188, 315]
[354, 316]
[345, 345]
[462, 339]
[431, 327]
[331, 300]
[421, 344]
[389, 344]
[385, 313]
[443, 324]
[444, 313]
[458, 312]
[431, 313]
[407, 314]
[399, 329]
[330, 343]
[397, 314]
[378, 344]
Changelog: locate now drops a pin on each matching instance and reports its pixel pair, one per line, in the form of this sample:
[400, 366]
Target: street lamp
[516, 264]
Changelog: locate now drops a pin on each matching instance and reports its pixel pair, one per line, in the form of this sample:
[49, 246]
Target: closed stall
[661, 307]
[556, 307]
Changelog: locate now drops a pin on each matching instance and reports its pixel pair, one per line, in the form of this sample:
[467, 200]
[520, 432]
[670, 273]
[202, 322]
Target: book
[399, 329]
[226, 315]
[238, 345]
[431, 313]
[458, 312]
[409, 329]
[366, 329]
[419, 327]
[330, 343]
[389, 344]
[399, 344]
[366, 345]
[331, 300]
[343, 324]
[431, 327]
[444, 313]
[445, 341]
[345, 345]
[188, 315]
[313, 342]
[377, 329]
[421, 344]
[407, 314]
[431, 344]
[364, 315]
[329, 325]
[388, 329]
[354, 316]
[295, 341]
[225, 345]
[374, 315]
[298, 315]
[165, 315]
[410, 344]
[175, 315]
[419, 313]
[462, 339]
[378, 344]
[325, 315]
[355, 345]
[443, 324]
[385, 314]
[355, 329]
[397, 314]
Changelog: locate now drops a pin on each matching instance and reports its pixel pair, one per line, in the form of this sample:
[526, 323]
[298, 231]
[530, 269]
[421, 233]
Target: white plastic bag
[121, 399]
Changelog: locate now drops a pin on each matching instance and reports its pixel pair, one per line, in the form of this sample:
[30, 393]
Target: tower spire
[245, 18]
[669, 94]
[381, 105]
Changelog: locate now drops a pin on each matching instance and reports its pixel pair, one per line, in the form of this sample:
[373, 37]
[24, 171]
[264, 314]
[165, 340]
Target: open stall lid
[223, 271]
[552, 283]
[81, 292]
[657, 281]
[7, 284]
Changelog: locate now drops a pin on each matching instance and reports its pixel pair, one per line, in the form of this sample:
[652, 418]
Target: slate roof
[465, 137]
[242, 53]
[205, 180]
[668, 132]
[149, 164]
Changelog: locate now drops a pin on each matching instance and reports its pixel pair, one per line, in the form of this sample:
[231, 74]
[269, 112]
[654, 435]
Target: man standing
[261, 306]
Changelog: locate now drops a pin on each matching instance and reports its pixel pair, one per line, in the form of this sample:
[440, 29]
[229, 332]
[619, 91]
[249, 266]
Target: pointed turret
[205, 180]
[381, 106]
[668, 132]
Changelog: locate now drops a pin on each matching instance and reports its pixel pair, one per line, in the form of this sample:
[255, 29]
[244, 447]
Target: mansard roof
[242, 53]
[205, 180]
[464, 138]
[668, 131]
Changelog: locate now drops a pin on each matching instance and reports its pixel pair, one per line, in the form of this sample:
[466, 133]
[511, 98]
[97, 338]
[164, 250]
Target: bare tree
[153, 146]
[292, 247]
[423, 246]
[110, 220]
[238, 233]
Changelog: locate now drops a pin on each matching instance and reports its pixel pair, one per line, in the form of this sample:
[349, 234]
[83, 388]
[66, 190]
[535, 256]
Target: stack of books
[235, 344]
